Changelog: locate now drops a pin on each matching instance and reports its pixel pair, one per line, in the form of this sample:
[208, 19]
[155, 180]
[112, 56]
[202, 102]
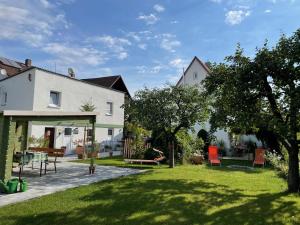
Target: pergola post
[92, 167]
[7, 141]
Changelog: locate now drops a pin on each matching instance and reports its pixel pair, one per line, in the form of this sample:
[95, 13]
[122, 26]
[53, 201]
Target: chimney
[28, 62]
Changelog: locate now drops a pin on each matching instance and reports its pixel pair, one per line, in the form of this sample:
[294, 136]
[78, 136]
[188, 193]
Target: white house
[193, 75]
[37, 89]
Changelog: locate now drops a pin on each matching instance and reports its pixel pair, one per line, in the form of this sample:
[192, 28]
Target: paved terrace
[69, 175]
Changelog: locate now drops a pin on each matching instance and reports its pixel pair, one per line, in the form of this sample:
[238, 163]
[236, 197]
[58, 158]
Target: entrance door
[50, 134]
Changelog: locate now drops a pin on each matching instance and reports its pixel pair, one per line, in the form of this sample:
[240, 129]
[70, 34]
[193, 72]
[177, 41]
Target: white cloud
[134, 35]
[149, 70]
[158, 8]
[174, 22]
[149, 19]
[114, 43]
[75, 55]
[45, 3]
[216, 1]
[268, 11]
[169, 44]
[29, 22]
[235, 17]
[177, 63]
[142, 46]
[122, 55]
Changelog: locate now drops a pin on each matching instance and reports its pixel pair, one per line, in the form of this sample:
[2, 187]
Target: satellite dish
[71, 72]
[3, 72]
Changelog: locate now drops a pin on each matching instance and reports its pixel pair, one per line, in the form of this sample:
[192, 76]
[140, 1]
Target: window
[195, 75]
[54, 99]
[68, 131]
[109, 108]
[110, 132]
[89, 134]
[4, 98]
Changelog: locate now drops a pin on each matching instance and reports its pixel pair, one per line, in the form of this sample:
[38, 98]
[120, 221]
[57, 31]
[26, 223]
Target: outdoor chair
[259, 157]
[213, 156]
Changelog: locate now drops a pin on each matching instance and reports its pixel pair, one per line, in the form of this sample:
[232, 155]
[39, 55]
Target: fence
[128, 150]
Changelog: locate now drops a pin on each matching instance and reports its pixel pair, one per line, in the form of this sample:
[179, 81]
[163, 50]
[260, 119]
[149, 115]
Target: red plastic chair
[259, 157]
[213, 156]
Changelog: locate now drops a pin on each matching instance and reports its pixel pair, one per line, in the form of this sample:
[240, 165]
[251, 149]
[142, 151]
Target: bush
[191, 145]
[280, 163]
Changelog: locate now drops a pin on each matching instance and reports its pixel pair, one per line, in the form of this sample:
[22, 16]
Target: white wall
[188, 78]
[19, 90]
[75, 93]
[101, 136]
[34, 95]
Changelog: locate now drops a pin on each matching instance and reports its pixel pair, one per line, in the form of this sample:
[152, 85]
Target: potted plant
[93, 150]
[79, 150]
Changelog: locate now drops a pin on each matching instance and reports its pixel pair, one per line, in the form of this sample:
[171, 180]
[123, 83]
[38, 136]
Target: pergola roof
[46, 113]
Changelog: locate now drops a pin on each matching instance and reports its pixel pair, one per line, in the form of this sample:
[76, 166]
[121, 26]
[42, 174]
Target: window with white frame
[109, 108]
[54, 99]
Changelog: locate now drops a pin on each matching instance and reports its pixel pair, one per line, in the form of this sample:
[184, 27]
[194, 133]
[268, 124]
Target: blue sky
[147, 42]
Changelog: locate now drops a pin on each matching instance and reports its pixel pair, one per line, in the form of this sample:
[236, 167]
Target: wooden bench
[141, 161]
[52, 152]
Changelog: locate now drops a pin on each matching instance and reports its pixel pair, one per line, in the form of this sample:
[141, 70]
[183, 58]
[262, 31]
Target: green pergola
[14, 129]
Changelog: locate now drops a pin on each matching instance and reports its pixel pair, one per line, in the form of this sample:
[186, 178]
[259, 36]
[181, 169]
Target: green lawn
[184, 195]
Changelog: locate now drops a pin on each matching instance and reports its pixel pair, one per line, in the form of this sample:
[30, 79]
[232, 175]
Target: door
[49, 135]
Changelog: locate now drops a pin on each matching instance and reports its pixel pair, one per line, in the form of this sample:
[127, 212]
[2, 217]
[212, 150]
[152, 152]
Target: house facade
[194, 75]
[37, 89]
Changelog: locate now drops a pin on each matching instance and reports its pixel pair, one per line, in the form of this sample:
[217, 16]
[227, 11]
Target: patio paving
[69, 175]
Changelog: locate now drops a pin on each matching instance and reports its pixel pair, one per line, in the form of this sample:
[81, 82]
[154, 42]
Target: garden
[257, 96]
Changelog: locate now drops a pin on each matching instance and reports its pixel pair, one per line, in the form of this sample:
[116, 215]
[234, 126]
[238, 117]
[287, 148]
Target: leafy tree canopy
[261, 92]
[168, 109]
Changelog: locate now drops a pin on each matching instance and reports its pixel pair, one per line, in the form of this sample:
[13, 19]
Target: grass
[183, 195]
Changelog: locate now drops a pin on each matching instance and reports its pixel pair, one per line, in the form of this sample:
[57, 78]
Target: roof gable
[114, 82]
[195, 59]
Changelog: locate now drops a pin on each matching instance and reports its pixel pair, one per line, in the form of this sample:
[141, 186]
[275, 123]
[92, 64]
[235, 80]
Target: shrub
[191, 145]
[279, 162]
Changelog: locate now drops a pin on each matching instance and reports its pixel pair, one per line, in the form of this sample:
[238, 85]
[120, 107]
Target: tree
[169, 110]
[262, 92]
[87, 106]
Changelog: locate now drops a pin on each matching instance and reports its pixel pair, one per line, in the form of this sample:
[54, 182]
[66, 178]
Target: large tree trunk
[293, 174]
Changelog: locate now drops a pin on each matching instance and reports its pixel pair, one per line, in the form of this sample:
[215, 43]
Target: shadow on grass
[228, 162]
[135, 201]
